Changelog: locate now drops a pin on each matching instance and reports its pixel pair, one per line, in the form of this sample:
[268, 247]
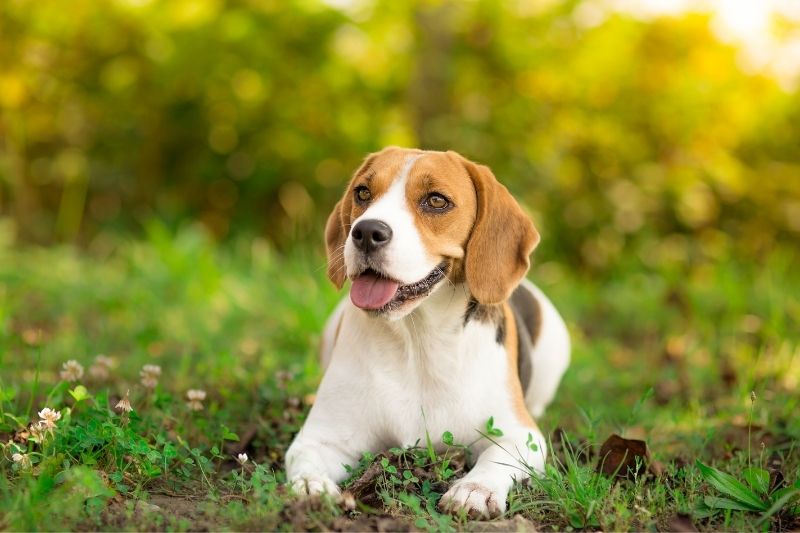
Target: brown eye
[436, 201]
[363, 194]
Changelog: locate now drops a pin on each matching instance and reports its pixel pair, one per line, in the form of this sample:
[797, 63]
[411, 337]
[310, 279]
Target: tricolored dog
[441, 330]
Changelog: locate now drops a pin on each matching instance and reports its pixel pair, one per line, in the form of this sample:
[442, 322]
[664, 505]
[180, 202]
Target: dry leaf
[623, 457]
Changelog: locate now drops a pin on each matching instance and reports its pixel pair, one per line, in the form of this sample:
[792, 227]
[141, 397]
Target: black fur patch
[528, 317]
[488, 314]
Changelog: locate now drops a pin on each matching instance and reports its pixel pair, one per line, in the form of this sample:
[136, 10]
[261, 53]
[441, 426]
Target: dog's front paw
[475, 499]
[315, 485]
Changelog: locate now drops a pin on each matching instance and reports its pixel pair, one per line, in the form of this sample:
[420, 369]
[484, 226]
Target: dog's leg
[329, 440]
[484, 490]
[335, 433]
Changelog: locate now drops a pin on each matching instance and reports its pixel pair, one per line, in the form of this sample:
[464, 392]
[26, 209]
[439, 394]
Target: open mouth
[373, 291]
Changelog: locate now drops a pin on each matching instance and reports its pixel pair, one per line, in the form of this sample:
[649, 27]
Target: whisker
[337, 253]
[340, 268]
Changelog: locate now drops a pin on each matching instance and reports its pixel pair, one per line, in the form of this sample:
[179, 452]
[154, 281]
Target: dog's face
[412, 220]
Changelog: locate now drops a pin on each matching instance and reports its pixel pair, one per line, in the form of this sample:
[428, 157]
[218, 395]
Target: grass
[669, 355]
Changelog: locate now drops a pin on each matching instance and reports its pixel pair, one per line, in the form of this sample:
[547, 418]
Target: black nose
[369, 235]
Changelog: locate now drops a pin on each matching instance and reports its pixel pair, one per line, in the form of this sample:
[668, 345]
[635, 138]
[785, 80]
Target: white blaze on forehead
[410, 160]
[406, 259]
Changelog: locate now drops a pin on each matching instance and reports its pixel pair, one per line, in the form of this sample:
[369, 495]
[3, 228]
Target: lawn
[696, 355]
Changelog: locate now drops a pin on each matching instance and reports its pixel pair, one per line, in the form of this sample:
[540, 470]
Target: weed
[646, 365]
[753, 495]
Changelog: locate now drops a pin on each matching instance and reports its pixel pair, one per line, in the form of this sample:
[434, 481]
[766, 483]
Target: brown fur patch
[514, 386]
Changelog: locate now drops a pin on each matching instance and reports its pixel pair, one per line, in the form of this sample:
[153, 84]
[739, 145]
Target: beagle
[440, 333]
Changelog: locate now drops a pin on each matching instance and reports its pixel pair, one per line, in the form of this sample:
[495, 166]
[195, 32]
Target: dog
[442, 332]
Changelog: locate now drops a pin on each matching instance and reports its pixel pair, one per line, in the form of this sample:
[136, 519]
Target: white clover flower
[101, 369]
[49, 418]
[71, 370]
[124, 404]
[196, 394]
[22, 459]
[150, 375]
[38, 431]
[241, 458]
[195, 397]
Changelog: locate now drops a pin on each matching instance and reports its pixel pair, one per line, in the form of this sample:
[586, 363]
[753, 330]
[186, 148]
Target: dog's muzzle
[373, 291]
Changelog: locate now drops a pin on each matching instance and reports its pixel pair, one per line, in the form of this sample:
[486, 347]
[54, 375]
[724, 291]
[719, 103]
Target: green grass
[669, 355]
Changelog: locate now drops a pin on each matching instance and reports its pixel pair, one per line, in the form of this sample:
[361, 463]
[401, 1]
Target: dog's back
[544, 345]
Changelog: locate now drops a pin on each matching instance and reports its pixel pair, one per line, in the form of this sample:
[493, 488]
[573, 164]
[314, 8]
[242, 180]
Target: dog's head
[412, 219]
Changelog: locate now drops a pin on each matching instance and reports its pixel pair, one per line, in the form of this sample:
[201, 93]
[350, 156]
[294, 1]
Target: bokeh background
[166, 168]
[662, 131]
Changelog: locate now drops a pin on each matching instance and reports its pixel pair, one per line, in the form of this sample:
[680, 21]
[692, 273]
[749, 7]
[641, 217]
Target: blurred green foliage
[249, 115]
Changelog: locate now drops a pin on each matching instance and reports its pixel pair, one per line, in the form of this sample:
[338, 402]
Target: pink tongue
[371, 292]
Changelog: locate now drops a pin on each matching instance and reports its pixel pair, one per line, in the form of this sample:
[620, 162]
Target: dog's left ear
[502, 238]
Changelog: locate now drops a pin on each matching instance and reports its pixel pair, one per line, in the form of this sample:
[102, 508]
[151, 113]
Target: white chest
[452, 383]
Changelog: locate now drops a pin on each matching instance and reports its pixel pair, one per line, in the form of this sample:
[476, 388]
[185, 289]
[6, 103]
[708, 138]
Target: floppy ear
[502, 238]
[335, 234]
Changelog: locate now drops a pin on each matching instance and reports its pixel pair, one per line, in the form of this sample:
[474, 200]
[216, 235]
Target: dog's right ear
[338, 228]
[336, 231]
